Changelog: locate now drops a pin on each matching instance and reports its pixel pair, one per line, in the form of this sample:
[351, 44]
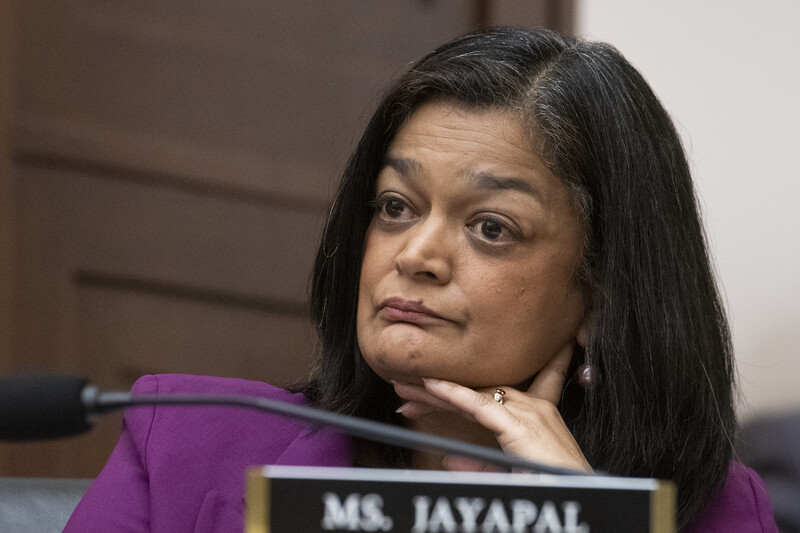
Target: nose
[427, 254]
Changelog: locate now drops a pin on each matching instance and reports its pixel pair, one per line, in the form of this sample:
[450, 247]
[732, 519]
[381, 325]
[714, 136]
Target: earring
[585, 376]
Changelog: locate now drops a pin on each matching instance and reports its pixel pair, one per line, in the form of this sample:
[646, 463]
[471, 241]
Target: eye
[493, 231]
[393, 209]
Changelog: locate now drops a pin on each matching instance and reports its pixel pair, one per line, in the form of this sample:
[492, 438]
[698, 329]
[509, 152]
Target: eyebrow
[486, 180]
[408, 168]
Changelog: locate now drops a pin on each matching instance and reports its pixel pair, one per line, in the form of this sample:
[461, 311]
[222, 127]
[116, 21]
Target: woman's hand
[527, 424]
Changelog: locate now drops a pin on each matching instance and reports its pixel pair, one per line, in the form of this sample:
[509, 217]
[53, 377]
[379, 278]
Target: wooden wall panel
[125, 334]
[264, 96]
[557, 15]
[80, 230]
[165, 169]
[7, 237]
[122, 279]
[77, 456]
[173, 235]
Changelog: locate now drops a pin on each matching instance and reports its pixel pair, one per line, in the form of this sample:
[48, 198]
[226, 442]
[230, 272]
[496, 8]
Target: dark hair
[660, 346]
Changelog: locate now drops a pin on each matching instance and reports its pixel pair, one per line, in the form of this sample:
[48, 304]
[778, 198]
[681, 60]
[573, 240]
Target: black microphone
[42, 407]
[46, 407]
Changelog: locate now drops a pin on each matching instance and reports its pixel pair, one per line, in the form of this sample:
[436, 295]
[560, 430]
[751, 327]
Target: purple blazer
[181, 469]
[178, 469]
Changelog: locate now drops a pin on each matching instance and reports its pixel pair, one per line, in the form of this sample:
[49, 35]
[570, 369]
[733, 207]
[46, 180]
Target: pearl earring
[585, 376]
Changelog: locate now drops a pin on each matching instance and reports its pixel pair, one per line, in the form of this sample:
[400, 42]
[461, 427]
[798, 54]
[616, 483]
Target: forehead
[480, 146]
[440, 123]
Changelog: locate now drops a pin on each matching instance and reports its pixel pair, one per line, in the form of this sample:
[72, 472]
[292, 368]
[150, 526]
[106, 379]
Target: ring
[499, 396]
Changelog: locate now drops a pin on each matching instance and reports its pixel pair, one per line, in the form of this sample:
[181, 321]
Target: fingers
[415, 410]
[440, 395]
[446, 396]
[419, 402]
[549, 381]
[527, 425]
[475, 405]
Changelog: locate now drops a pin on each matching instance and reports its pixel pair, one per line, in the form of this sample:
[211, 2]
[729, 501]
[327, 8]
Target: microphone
[47, 407]
[42, 407]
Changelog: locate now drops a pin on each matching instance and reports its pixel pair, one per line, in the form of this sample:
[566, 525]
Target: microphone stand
[98, 402]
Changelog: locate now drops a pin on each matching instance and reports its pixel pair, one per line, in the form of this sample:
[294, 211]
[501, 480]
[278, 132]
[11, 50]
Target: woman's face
[470, 262]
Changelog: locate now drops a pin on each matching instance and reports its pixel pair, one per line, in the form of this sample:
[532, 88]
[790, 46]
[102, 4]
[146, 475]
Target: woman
[514, 257]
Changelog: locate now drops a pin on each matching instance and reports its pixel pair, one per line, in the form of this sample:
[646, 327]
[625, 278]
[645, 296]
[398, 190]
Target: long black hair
[662, 401]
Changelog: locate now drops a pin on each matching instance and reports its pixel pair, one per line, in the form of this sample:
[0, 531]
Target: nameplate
[284, 499]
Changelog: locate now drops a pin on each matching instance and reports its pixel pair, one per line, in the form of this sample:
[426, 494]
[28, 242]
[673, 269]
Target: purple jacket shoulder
[181, 469]
[742, 506]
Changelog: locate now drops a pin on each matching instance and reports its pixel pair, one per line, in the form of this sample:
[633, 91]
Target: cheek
[499, 294]
[534, 311]
[374, 265]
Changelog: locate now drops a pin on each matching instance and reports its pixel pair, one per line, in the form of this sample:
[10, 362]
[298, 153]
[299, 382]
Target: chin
[415, 376]
[411, 367]
[398, 373]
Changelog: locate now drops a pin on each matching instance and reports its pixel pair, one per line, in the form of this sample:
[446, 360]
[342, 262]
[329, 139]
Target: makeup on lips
[399, 310]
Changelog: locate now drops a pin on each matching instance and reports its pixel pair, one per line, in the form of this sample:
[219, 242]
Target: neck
[450, 425]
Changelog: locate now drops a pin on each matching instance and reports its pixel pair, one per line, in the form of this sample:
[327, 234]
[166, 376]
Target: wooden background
[165, 169]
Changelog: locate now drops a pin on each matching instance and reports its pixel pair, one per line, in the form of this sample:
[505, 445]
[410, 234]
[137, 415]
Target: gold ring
[500, 396]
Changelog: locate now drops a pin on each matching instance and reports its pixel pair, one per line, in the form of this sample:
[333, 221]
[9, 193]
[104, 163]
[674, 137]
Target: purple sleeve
[118, 499]
[177, 469]
[742, 506]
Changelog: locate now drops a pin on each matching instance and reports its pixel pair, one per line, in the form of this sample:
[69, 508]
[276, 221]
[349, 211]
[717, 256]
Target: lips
[400, 310]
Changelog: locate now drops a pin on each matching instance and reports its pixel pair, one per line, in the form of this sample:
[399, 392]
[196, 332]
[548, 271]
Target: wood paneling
[264, 96]
[558, 15]
[6, 187]
[166, 169]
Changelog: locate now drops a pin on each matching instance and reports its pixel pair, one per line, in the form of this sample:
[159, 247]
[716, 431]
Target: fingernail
[403, 407]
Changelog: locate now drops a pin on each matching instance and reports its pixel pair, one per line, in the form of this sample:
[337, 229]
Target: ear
[585, 329]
